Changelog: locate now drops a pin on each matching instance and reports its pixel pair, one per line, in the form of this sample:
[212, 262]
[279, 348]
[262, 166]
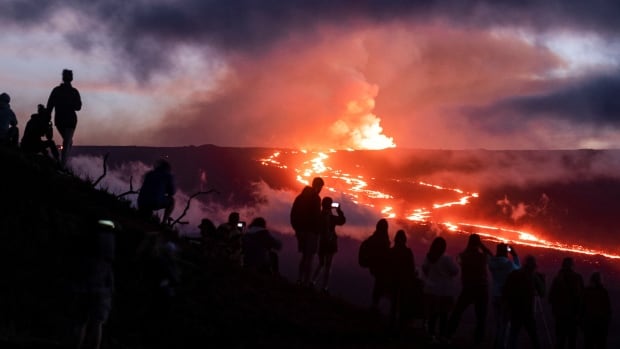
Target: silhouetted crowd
[64, 101]
[514, 292]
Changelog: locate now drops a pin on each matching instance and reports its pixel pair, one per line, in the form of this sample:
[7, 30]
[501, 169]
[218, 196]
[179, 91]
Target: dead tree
[189, 201]
[130, 191]
[105, 169]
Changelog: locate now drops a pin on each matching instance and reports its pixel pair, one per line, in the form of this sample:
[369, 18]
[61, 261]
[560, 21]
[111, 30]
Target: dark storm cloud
[145, 32]
[595, 101]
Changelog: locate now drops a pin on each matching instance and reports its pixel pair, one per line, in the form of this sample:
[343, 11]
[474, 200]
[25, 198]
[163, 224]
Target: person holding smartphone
[231, 234]
[328, 240]
[500, 267]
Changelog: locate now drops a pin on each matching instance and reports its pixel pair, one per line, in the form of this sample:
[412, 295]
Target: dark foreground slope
[43, 215]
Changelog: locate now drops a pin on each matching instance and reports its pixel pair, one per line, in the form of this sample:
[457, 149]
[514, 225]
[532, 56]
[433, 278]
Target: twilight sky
[453, 74]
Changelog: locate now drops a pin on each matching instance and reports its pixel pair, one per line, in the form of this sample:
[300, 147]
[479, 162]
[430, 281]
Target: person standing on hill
[8, 122]
[92, 280]
[231, 235]
[520, 292]
[305, 219]
[158, 191]
[259, 248]
[403, 277]
[596, 314]
[566, 297]
[376, 250]
[440, 271]
[501, 266]
[328, 240]
[475, 288]
[65, 100]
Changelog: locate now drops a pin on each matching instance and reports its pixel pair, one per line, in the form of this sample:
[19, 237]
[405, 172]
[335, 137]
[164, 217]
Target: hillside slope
[44, 212]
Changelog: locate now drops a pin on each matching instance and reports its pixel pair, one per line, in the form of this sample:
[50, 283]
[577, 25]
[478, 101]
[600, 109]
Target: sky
[349, 74]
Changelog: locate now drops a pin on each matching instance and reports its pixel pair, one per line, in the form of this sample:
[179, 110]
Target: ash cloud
[270, 87]
[591, 102]
[147, 31]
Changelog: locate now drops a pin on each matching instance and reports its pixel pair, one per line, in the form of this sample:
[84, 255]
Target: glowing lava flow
[355, 188]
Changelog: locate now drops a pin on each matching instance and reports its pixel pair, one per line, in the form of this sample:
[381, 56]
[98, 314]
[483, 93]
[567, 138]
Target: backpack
[364, 257]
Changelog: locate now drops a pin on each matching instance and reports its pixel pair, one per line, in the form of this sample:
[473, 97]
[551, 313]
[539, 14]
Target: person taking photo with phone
[328, 240]
[500, 267]
[230, 234]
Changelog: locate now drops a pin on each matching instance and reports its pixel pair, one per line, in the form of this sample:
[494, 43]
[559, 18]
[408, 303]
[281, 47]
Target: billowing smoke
[517, 211]
[273, 204]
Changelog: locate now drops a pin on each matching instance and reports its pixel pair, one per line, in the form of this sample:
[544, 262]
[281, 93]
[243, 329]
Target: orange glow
[356, 188]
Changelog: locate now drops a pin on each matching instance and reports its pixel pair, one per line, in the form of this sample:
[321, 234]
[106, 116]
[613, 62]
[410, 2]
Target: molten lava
[356, 188]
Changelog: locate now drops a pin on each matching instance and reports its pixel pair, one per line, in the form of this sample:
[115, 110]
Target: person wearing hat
[8, 122]
[65, 100]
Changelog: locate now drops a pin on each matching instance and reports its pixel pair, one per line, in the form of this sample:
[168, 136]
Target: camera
[335, 204]
[241, 225]
[508, 248]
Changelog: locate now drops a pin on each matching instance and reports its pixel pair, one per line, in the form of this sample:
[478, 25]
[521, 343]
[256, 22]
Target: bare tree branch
[105, 169]
[130, 191]
[178, 220]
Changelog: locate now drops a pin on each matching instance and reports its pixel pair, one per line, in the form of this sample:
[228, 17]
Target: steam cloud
[338, 74]
[274, 207]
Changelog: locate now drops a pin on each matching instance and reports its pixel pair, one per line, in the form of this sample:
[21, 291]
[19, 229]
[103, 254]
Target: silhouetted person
[39, 126]
[328, 240]
[259, 248]
[157, 192]
[305, 219]
[566, 297]
[65, 100]
[439, 271]
[596, 315]
[230, 234]
[500, 267]
[161, 278]
[475, 286]
[208, 235]
[379, 250]
[9, 133]
[403, 277]
[207, 229]
[519, 292]
[93, 282]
